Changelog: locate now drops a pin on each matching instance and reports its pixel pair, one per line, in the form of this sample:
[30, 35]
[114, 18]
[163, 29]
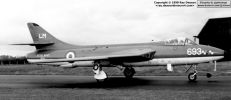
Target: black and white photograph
[115, 50]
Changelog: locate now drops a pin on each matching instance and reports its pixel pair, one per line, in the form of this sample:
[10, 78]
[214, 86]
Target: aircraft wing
[134, 55]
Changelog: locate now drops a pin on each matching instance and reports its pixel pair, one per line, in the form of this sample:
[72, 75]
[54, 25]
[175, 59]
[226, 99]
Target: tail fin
[40, 35]
[43, 40]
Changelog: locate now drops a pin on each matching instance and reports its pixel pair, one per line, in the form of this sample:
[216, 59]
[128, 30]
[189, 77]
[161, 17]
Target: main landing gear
[100, 75]
[192, 77]
[129, 72]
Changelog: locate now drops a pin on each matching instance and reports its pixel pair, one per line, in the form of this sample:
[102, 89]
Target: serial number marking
[195, 51]
[42, 55]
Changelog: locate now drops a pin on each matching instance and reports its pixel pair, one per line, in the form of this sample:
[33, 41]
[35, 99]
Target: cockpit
[180, 41]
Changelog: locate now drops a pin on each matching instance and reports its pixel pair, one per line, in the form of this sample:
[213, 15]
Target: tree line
[8, 60]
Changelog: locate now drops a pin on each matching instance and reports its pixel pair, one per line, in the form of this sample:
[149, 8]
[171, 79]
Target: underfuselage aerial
[51, 51]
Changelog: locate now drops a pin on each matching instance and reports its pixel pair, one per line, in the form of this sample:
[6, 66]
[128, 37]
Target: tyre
[95, 67]
[192, 77]
[129, 72]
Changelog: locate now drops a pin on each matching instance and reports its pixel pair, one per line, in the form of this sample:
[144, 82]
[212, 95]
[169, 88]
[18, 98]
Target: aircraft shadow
[120, 82]
[114, 82]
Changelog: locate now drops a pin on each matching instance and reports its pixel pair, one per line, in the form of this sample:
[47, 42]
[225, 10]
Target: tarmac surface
[67, 87]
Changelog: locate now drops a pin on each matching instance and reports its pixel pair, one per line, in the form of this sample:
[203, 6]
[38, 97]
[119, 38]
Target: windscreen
[180, 41]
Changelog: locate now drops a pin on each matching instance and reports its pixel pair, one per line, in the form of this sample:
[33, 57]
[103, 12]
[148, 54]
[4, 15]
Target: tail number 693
[194, 51]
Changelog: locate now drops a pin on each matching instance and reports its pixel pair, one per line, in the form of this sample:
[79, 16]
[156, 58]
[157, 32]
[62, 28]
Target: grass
[112, 71]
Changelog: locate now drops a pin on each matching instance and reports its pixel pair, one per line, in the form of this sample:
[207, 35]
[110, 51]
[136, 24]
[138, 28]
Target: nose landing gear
[192, 77]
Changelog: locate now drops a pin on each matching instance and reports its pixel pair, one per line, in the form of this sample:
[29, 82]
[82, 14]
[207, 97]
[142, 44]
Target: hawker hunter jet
[51, 51]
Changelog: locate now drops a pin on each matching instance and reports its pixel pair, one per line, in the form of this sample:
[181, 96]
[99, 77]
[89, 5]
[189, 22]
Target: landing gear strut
[192, 77]
[100, 75]
[129, 72]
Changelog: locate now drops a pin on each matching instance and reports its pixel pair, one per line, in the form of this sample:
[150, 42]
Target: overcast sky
[88, 22]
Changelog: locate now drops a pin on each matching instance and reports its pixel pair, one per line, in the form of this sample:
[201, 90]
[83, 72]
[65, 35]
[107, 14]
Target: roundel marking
[70, 55]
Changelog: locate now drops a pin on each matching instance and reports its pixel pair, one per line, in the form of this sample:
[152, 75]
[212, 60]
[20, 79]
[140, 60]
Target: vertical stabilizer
[44, 40]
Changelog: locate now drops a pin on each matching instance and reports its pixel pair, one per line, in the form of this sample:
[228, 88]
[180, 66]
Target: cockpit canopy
[180, 41]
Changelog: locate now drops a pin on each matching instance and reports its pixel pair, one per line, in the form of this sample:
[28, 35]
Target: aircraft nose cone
[217, 51]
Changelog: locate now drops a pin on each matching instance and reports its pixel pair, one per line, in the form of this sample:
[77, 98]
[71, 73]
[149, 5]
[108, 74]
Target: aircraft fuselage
[165, 54]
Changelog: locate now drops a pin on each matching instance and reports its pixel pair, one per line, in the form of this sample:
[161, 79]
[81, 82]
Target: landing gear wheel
[192, 77]
[100, 75]
[96, 67]
[129, 72]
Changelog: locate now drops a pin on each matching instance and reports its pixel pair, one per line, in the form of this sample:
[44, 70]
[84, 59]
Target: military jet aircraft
[51, 51]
